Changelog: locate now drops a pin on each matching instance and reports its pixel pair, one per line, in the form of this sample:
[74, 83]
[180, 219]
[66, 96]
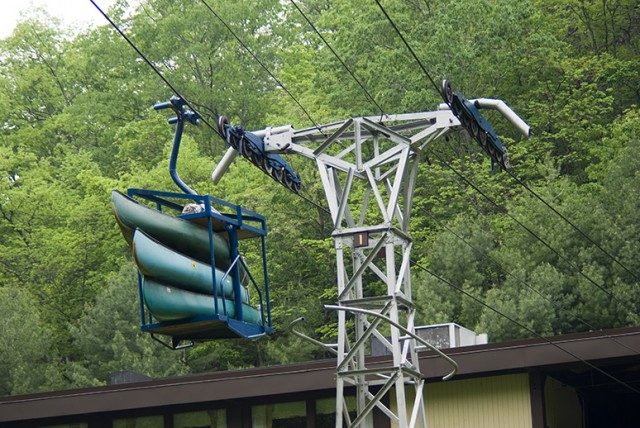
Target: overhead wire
[174, 89]
[570, 223]
[468, 182]
[153, 67]
[525, 283]
[487, 256]
[564, 218]
[448, 282]
[519, 324]
[424, 70]
[346, 67]
[526, 228]
[264, 67]
[408, 46]
[216, 130]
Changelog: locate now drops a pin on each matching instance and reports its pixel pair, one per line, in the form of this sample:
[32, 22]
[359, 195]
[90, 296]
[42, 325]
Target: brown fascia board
[174, 391]
[317, 376]
[535, 353]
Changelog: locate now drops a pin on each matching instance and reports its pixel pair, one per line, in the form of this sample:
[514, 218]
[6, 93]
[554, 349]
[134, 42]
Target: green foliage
[77, 122]
[106, 337]
[29, 361]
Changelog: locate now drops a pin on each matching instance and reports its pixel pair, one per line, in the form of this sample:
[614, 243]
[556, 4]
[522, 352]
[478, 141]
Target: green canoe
[167, 303]
[167, 266]
[178, 234]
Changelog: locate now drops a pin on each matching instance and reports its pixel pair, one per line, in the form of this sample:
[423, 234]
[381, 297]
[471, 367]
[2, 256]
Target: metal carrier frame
[236, 225]
[368, 168]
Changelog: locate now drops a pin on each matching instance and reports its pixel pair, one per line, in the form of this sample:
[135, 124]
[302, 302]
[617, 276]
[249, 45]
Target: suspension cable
[564, 218]
[519, 324]
[250, 52]
[424, 69]
[531, 232]
[346, 67]
[570, 223]
[557, 305]
[153, 67]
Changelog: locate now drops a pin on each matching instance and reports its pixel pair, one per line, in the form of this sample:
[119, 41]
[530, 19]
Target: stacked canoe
[173, 256]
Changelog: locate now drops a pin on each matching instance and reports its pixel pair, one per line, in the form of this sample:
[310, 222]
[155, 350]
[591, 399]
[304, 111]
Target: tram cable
[493, 260]
[408, 46]
[346, 67]
[264, 67]
[468, 182]
[589, 279]
[426, 73]
[518, 180]
[519, 324]
[570, 223]
[526, 228]
[153, 67]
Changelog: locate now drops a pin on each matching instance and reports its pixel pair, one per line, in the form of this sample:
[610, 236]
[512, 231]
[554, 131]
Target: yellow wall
[563, 408]
[491, 402]
[496, 402]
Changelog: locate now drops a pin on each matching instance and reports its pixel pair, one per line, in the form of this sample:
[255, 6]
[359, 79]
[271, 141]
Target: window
[279, 415]
[326, 411]
[202, 419]
[141, 422]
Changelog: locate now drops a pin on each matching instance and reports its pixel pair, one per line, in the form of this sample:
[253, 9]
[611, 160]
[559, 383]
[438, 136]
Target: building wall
[563, 408]
[491, 402]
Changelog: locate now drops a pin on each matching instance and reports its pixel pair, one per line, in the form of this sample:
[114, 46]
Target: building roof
[607, 350]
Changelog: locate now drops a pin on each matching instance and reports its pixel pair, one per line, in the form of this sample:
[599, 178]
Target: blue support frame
[237, 224]
[178, 105]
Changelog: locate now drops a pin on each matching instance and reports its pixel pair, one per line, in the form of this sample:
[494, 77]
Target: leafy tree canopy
[76, 122]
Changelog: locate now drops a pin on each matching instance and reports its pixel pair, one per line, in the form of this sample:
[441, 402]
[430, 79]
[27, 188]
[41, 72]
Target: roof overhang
[599, 347]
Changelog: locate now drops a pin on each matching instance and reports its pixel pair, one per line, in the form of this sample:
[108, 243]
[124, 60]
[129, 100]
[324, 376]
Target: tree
[29, 361]
[77, 122]
[106, 337]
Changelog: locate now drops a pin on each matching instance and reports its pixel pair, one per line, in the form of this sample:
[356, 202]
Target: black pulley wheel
[447, 91]
[492, 150]
[246, 148]
[266, 166]
[474, 128]
[257, 160]
[223, 122]
[483, 140]
[288, 181]
[278, 174]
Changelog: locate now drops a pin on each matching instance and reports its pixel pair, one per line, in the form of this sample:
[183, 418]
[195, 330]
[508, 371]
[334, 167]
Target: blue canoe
[180, 235]
[167, 303]
[169, 267]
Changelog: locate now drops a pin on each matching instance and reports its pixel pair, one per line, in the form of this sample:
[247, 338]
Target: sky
[72, 12]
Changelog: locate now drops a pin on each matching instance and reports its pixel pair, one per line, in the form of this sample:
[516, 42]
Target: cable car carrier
[193, 282]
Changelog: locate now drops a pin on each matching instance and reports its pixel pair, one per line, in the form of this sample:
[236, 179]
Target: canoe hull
[178, 234]
[167, 266]
[167, 303]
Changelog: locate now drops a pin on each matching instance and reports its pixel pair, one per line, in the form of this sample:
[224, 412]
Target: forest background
[77, 122]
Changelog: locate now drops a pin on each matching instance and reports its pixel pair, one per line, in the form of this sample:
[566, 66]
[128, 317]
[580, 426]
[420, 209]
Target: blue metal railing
[236, 220]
